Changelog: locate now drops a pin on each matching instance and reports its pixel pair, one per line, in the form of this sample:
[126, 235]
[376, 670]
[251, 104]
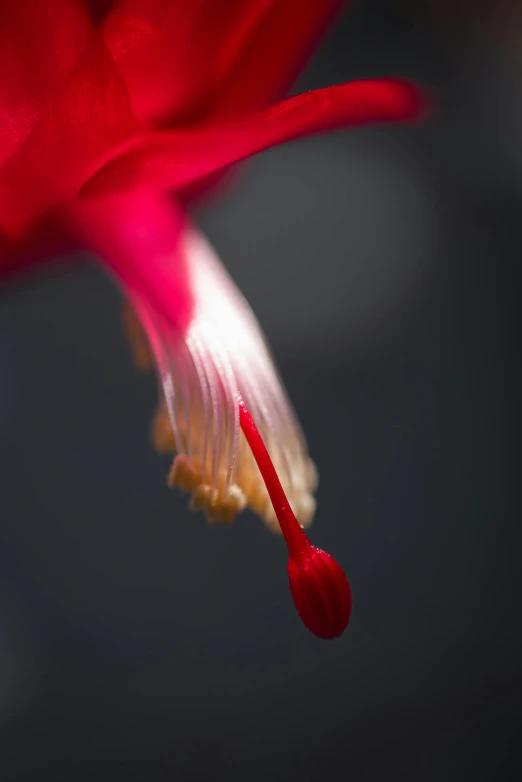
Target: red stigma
[320, 590]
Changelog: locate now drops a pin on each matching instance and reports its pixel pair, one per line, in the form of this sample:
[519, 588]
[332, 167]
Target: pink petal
[40, 43]
[171, 52]
[178, 158]
[81, 126]
[137, 239]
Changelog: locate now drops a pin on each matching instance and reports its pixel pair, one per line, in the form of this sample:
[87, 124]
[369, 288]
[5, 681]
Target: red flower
[106, 109]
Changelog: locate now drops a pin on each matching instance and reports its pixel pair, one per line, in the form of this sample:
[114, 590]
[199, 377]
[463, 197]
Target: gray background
[136, 643]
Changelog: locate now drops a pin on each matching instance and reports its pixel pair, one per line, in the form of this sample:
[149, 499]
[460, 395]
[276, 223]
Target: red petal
[274, 53]
[40, 43]
[77, 133]
[137, 238]
[171, 52]
[176, 159]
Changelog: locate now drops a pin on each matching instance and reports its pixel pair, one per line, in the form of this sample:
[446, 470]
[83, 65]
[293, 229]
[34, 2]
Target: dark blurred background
[136, 642]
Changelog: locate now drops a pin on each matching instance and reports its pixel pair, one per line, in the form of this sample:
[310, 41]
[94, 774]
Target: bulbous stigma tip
[320, 591]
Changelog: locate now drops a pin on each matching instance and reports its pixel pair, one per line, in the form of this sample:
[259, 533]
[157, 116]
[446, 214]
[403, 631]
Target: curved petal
[40, 43]
[273, 54]
[137, 239]
[171, 52]
[177, 159]
[81, 126]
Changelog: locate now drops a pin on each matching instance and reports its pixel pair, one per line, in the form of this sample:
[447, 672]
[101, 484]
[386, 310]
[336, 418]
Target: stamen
[217, 379]
[201, 371]
[320, 590]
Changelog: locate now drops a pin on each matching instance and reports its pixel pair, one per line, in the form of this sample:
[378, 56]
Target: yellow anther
[161, 432]
[185, 474]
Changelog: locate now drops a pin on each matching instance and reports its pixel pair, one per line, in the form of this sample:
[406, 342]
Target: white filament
[221, 356]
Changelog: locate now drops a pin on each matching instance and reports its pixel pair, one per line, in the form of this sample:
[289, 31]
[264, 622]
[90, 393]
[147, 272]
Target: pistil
[319, 587]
